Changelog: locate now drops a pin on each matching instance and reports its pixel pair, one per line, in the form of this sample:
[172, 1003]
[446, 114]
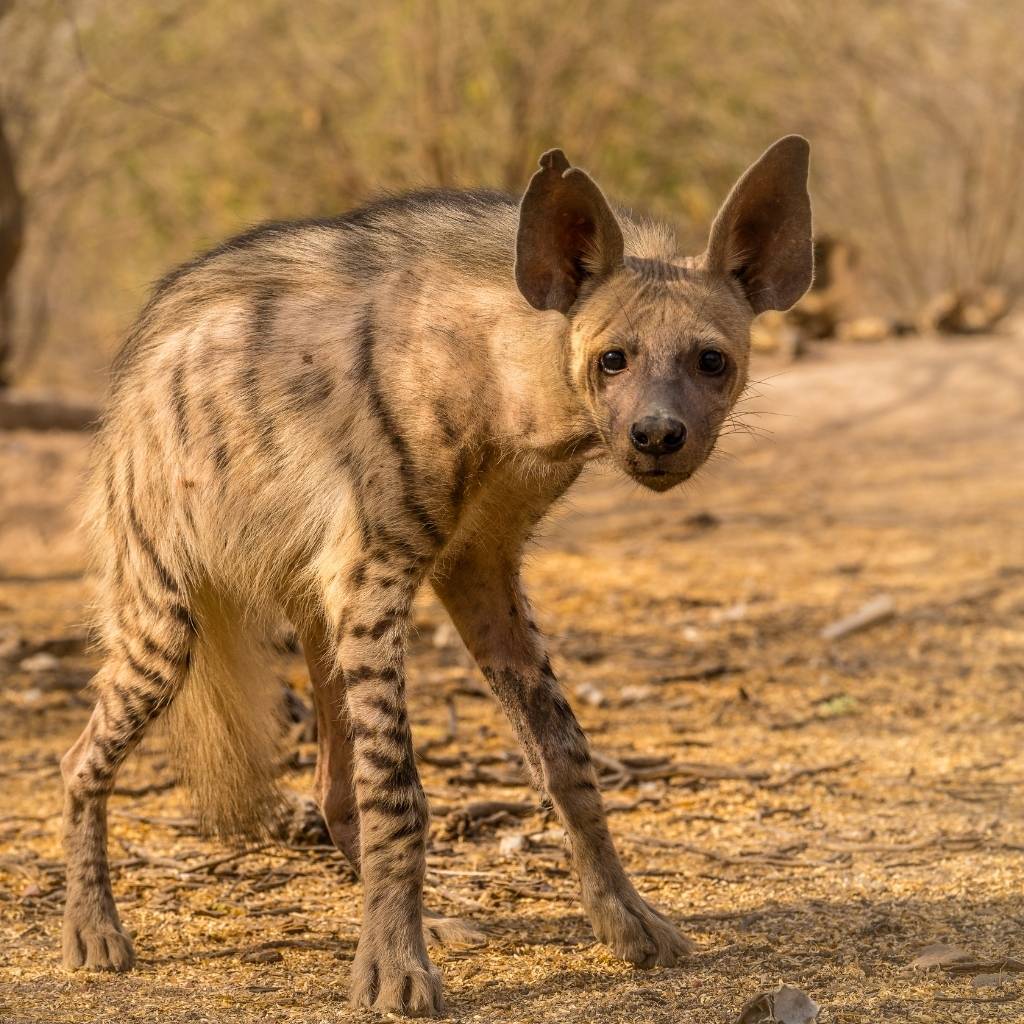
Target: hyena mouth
[659, 479]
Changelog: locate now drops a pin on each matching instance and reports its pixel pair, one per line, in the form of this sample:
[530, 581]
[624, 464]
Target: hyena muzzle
[313, 419]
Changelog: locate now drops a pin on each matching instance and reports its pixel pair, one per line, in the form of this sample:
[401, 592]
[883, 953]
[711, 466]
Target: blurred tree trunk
[12, 229]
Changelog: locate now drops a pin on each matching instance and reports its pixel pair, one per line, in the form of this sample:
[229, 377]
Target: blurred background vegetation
[132, 135]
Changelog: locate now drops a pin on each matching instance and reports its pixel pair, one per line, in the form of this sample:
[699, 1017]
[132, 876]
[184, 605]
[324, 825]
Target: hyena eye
[711, 362]
[613, 361]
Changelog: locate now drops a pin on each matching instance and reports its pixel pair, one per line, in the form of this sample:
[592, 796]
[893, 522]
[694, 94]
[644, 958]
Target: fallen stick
[717, 771]
[694, 770]
[208, 865]
[148, 857]
[953, 843]
[178, 824]
[45, 412]
[485, 808]
[877, 610]
[152, 787]
[738, 860]
[1009, 965]
[217, 954]
[806, 773]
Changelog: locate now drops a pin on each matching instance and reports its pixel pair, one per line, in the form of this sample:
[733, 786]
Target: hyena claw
[97, 949]
[390, 981]
[636, 932]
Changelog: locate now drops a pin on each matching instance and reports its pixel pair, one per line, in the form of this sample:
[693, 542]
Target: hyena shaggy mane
[313, 419]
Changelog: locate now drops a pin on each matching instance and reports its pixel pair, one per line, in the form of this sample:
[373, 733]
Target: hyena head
[660, 342]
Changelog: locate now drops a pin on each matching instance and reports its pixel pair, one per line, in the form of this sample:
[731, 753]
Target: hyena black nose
[657, 435]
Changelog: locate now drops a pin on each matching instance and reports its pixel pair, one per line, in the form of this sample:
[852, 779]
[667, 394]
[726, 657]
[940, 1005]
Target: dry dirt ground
[809, 811]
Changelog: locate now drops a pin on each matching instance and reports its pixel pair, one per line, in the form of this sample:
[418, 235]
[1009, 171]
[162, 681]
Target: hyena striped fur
[314, 419]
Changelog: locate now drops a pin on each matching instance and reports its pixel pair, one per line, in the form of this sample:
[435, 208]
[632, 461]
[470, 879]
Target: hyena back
[315, 418]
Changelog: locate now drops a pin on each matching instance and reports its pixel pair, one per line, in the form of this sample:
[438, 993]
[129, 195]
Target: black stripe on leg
[184, 616]
[150, 674]
[400, 770]
[105, 747]
[136, 708]
[402, 776]
[363, 673]
[386, 622]
[360, 674]
[361, 731]
[391, 543]
[389, 620]
[380, 760]
[152, 647]
[146, 599]
[394, 806]
[387, 707]
[149, 644]
[413, 828]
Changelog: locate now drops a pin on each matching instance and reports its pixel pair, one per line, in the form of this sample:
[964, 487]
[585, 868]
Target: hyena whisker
[760, 382]
[765, 412]
[742, 419]
[716, 459]
[736, 423]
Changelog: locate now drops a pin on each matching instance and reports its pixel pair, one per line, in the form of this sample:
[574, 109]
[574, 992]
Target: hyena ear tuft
[762, 234]
[567, 235]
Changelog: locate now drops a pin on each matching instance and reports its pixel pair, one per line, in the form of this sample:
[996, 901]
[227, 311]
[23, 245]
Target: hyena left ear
[567, 235]
[762, 234]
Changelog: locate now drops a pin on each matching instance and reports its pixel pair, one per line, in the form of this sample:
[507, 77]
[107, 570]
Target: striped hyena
[313, 419]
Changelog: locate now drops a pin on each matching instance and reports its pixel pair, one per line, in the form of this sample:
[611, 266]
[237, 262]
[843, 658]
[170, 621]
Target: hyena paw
[96, 947]
[637, 932]
[395, 981]
[450, 931]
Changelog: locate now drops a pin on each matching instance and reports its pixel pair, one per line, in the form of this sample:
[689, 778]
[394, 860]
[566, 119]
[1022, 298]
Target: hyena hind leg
[132, 692]
[334, 790]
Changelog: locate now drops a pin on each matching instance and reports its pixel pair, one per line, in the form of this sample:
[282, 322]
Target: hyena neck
[541, 413]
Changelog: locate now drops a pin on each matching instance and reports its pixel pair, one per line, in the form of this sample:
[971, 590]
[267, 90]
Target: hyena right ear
[567, 235]
[762, 234]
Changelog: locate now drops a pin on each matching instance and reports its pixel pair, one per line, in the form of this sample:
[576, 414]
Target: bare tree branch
[129, 99]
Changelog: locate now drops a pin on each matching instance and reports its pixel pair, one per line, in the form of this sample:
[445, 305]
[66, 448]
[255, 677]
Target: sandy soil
[811, 812]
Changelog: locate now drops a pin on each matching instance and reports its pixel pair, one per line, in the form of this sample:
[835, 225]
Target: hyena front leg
[391, 971]
[145, 669]
[486, 602]
[334, 785]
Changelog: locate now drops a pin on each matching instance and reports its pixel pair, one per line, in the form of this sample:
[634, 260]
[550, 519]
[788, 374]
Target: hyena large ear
[762, 234]
[567, 234]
